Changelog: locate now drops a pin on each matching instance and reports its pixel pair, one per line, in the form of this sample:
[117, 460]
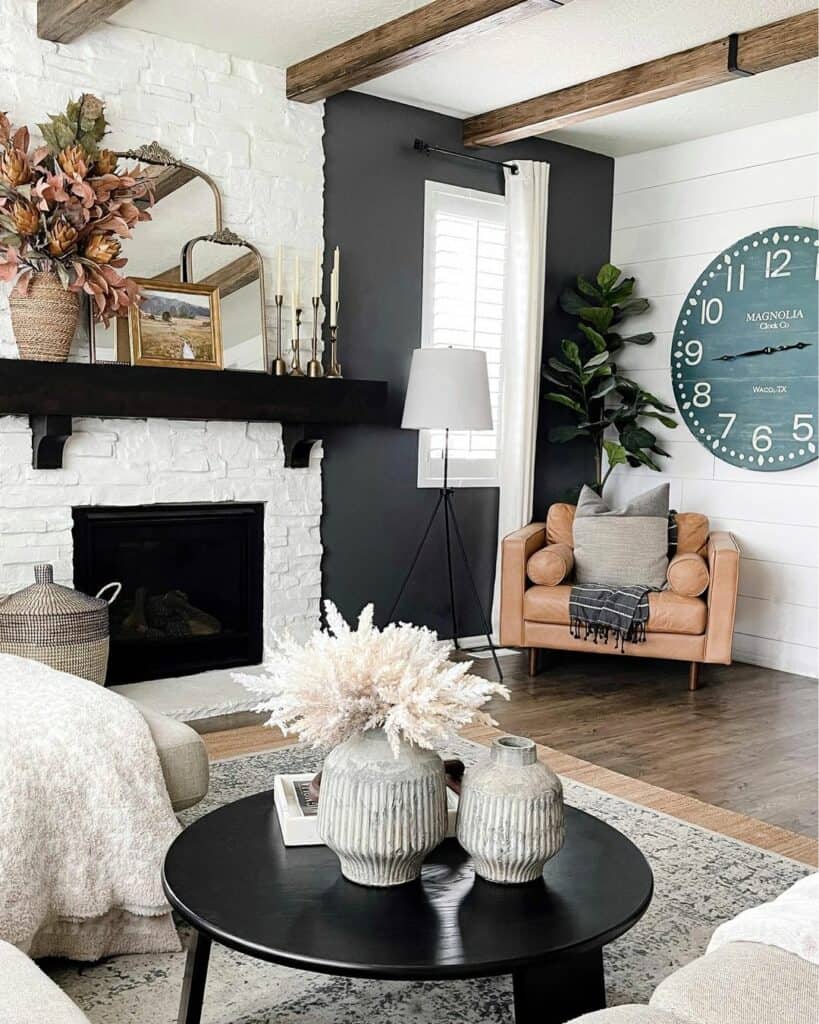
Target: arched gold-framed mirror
[187, 203]
[235, 268]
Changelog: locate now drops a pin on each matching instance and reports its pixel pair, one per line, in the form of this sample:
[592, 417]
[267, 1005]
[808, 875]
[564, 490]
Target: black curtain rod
[426, 149]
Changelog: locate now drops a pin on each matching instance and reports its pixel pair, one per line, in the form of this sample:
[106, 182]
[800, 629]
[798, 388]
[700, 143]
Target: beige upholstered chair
[183, 757]
[692, 620]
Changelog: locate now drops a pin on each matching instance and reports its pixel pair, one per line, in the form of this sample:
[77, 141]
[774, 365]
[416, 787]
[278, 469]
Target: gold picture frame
[168, 331]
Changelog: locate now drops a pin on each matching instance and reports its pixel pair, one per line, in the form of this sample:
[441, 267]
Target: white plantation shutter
[463, 303]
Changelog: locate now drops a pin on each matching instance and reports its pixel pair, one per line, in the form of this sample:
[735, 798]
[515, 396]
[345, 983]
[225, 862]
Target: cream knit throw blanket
[85, 819]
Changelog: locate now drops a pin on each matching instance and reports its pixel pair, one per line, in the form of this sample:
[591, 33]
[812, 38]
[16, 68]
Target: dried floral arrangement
[65, 205]
[343, 682]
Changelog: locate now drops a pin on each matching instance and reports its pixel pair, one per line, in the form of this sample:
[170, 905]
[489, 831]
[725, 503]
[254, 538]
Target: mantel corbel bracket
[298, 447]
[48, 436]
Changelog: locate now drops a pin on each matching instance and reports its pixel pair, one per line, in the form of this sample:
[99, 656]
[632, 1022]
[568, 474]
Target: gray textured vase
[381, 814]
[510, 817]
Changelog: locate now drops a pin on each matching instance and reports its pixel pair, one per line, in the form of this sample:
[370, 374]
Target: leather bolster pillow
[551, 565]
[688, 574]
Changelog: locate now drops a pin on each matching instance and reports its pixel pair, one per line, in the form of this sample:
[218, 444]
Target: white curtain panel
[527, 198]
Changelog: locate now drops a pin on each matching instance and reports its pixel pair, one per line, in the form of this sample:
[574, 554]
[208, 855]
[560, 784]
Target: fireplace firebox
[192, 585]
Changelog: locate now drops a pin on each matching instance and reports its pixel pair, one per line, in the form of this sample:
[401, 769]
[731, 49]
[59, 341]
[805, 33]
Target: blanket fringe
[583, 629]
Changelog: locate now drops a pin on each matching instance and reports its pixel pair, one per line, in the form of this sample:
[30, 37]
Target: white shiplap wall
[674, 209]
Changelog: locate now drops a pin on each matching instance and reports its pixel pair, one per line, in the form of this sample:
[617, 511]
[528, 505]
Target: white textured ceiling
[549, 50]
[277, 32]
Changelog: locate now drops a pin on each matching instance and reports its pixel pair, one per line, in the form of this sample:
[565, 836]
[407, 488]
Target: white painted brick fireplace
[145, 462]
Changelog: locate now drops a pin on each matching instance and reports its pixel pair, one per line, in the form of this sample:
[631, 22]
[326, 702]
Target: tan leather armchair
[697, 629]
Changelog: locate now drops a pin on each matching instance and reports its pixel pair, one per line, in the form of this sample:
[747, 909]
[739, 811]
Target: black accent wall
[374, 209]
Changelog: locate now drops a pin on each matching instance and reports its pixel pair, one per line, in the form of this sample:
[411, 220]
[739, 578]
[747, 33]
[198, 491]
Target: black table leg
[196, 974]
[560, 990]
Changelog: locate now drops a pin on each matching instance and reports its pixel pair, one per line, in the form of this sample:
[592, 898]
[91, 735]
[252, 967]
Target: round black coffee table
[232, 878]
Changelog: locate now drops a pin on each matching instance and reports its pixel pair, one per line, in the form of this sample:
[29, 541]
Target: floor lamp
[448, 389]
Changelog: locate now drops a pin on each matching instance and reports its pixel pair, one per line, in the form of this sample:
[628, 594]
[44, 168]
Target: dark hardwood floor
[746, 741]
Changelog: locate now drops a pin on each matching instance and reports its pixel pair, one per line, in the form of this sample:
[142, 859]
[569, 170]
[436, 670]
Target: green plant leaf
[615, 453]
[648, 399]
[633, 306]
[570, 403]
[597, 339]
[643, 458]
[639, 339]
[622, 291]
[571, 302]
[604, 389]
[562, 368]
[587, 288]
[660, 451]
[562, 434]
[598, 316]
[571, 352]
[561, 382]
[607, 276]
[634, 438]
[666, 421]
[596, 360]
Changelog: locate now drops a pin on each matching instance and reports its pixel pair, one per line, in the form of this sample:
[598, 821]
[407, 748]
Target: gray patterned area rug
[701, 879]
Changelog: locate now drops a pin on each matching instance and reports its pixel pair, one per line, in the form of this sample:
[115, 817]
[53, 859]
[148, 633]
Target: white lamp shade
[448, 389]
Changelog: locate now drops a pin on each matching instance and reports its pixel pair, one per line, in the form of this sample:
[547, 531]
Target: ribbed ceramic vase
[380, 814]
[510, 816]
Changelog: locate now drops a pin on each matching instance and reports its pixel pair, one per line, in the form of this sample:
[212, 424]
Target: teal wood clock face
[744, 351]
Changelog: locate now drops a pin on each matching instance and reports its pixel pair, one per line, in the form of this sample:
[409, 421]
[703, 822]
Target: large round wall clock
[744, 352]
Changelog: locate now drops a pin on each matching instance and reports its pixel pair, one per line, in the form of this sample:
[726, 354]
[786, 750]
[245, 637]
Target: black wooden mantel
[51, 394]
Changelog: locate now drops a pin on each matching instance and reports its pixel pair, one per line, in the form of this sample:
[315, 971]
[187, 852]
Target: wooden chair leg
[694, 676]
[533, 660]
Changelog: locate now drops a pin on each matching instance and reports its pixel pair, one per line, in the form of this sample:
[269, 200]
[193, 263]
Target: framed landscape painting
[176, 325]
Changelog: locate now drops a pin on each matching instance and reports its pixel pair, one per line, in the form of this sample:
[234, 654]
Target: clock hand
[767, 351]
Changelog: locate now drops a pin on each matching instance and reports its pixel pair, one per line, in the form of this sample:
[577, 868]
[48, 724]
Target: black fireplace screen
[191, 585]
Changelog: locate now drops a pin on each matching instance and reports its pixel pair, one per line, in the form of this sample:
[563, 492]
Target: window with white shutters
[463, 304]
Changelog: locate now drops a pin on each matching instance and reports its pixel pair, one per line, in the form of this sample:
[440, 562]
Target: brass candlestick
[334, 369]
[279, 368]
[314, 367]
[295, 365]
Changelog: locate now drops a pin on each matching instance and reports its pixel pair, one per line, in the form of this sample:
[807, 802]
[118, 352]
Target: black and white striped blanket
[596, 611]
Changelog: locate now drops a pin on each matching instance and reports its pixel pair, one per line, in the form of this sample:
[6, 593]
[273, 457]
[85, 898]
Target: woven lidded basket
[58, 626]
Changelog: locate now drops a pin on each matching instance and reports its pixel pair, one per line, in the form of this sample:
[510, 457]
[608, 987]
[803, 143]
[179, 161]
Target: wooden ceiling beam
[782, 42]
[63, 21]
[403, 41]
[761, 49]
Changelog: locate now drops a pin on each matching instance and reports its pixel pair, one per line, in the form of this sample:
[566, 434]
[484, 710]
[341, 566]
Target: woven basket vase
[45, 319]
[58, 626]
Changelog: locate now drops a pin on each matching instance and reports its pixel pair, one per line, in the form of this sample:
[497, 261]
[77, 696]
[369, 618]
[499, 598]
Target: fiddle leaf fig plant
[587, 381]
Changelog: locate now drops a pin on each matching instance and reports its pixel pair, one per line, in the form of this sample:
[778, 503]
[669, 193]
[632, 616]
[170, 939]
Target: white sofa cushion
[28, 995]
[742, 983]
